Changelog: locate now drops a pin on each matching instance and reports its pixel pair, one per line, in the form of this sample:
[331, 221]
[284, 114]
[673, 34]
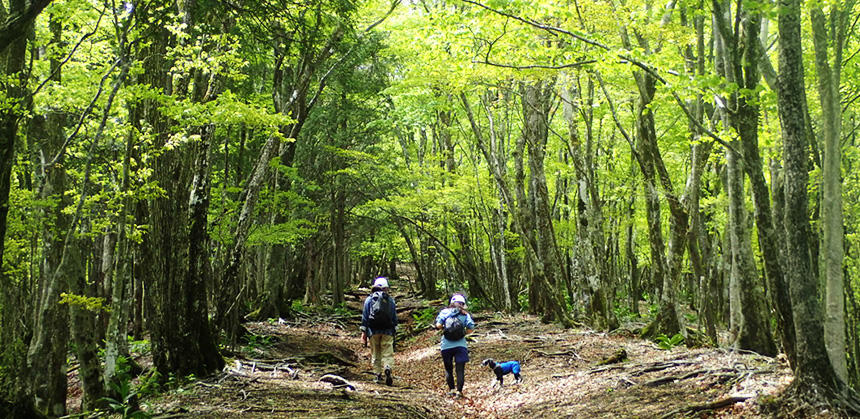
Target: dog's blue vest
[510, 367]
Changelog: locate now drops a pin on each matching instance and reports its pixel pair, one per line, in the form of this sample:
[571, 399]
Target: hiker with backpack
[455, 323]
[378, 325]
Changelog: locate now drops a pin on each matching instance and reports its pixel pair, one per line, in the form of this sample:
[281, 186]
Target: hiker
[378, 323]
[455, 323]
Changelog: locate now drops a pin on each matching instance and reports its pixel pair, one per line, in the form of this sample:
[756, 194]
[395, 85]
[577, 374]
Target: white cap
[381, 282]
[458, 298]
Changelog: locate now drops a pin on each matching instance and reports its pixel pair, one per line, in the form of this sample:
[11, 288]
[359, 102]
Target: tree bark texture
[83, 324]
[182, 341]
[832, 252]
[813, 370]
[664, 271]
[537, 100]
[589, 222]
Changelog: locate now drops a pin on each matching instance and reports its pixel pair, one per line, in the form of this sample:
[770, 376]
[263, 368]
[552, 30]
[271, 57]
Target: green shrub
[667, 343]
[424, 318]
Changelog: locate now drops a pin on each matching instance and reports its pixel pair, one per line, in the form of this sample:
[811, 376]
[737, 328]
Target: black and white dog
[503, 368]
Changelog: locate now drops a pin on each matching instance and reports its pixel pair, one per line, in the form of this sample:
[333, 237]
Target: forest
[182, 182]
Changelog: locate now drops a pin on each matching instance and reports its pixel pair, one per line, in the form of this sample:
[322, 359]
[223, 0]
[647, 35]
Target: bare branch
[533, 66]
[70, 54]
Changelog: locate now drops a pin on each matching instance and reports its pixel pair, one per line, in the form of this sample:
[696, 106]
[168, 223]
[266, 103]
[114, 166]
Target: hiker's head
[458, 300]
[380, 284]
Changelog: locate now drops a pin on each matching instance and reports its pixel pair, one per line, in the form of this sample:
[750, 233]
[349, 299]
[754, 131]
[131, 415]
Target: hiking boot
[459, 394]
[388, 379]
[452, 392]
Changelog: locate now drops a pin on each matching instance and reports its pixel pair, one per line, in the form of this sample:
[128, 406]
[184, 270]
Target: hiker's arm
[470, 324]
[364, 324]
[364, 312]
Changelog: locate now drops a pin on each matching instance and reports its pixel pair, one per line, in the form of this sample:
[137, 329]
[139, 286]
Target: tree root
[812, 399]
[659, 366]
[715, 405]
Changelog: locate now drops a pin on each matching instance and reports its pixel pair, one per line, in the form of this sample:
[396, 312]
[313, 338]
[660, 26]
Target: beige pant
[381, 352]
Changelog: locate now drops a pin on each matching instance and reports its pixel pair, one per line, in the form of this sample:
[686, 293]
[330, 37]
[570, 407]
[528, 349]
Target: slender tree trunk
[832, 253]
[589, 225]
[83, 323]
[813, 371]
[667, 321]
[738, 62]
[116, 343]
[750, 327]
[341, 269]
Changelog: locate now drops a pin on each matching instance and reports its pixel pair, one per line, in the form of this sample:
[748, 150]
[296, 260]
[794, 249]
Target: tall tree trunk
[665, 269]
[182, 339]
[46, 357]
[84, 322]
[537, 100]
[341, 267]
[814, 374]
[832, 254]
[589, 223]
[738, 62]
[750, 327]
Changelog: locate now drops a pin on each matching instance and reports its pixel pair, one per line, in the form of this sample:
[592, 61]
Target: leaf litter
[562, 375]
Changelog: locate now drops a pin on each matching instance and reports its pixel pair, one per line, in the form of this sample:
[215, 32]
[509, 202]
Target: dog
[503, 368]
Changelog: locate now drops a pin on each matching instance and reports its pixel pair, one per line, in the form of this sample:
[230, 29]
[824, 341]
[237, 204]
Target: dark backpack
[454, 329]
[380, 311]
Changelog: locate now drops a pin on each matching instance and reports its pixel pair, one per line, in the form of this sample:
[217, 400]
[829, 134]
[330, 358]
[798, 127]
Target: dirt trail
[279, 376]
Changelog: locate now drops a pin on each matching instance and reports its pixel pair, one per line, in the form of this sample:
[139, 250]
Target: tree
[832, 255]
[814, 373]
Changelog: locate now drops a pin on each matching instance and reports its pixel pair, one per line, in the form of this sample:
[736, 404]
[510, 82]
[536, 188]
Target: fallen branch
[719, 404]
[562, 353]
[659, 366]
[606, 368]
[660, 381]
[337, 381]
[717, 373]
[264, 366]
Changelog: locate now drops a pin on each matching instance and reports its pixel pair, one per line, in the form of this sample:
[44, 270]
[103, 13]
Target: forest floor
[278, 374]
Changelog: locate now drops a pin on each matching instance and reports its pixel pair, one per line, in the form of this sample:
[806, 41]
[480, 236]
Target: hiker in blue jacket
[456, 323]
[379, 323]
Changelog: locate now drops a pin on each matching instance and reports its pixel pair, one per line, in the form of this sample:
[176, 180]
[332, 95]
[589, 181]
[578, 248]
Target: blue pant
[458, 355]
